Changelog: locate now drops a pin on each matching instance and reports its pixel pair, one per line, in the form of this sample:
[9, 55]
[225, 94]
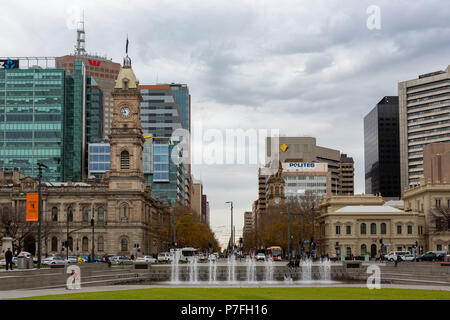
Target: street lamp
[232, 233]
[40, 166]
[92, 224]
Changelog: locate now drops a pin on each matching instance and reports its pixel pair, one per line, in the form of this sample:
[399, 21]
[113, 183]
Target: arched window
[363, 249]
[85, 244]
[277, 190]
[124, 244]
[124, 160]
[100, 243]
[373, 228]
[101, 214]
[383, 228]
[124, 211]
[70, 243]
[54, 244]
[54, 214]
[363, 228]
[86, 214]
[70, 214]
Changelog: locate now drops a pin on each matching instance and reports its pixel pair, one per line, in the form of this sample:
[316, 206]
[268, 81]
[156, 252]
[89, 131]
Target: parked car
[147, 259]
[432, 256]
[407, 257]
[260, 256]
[202, 257]
[392, 255]
[72, 259]
[86, 259]
[121, 260]
[53, 261]
[164, 257]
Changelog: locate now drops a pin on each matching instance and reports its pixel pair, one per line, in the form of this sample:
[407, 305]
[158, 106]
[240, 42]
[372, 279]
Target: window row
[373, 229]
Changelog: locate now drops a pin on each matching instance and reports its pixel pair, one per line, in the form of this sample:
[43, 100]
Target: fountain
[269, 268]
[212, 271]
[232, 271]
[306, 265]
[175, 275]
[251, 269]
[325, 270]
[231, 265]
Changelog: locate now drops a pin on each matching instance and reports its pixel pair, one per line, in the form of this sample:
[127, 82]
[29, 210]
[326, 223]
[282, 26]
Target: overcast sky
[308, 68]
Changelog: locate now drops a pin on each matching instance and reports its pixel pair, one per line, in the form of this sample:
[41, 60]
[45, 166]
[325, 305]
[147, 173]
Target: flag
[126, 50]
[32, 207]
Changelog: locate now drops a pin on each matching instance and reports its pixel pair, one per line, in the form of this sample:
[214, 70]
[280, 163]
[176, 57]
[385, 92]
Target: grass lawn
[255, 294]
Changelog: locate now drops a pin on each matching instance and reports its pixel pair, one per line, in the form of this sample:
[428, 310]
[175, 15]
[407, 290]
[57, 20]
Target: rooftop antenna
[81, 38]
[127, 60]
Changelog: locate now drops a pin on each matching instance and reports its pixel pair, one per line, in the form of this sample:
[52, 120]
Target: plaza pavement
[11, 294]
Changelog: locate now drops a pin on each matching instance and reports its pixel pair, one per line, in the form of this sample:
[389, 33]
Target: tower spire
[126, 60]
[81, 38]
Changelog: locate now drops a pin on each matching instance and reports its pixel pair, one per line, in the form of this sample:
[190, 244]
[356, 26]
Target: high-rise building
[305, 149]
[44, 113]
[346, 175]
[98, 159]
[381, 149]
[103, 70]
[424, 118]
[164, 109]
[32, 103]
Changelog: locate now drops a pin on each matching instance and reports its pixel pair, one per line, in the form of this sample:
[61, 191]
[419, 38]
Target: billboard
[305, 166]
[9, 64]
[32, 207]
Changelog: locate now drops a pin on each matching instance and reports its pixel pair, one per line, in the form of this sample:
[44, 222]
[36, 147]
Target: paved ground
[31, 293]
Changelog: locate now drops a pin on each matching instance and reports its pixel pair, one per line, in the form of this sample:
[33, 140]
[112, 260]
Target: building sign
[32, 207]
[94, 62]
[9, 64]
[305, 166]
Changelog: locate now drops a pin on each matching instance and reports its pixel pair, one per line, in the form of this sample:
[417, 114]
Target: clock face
[277, 200]
[125, 112]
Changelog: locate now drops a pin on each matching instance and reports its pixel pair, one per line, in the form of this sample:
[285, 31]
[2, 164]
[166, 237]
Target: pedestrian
[132, 257]
[108, 261]
[397, 260]
[8, 258]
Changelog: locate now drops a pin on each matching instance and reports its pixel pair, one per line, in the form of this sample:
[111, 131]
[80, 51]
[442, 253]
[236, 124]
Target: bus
[188, 254]
[275, 252]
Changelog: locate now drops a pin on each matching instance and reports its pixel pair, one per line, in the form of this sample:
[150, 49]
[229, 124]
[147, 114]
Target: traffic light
[417, 243]
[381, 240]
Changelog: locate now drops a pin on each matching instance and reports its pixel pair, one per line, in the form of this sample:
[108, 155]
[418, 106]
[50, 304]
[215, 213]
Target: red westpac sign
[94, 62]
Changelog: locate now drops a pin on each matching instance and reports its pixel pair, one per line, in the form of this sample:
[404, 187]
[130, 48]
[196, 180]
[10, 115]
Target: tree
[440, 218]
[13, 223]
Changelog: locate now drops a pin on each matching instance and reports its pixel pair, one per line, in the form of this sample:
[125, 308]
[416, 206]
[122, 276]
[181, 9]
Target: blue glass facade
[31, 121]
[164, 109]
[98, 158]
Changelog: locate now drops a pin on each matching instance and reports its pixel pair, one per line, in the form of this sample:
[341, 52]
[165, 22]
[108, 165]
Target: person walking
[397, 259]
[8, 258]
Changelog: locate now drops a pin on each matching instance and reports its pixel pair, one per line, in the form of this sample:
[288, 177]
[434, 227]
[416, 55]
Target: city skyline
[257, 59]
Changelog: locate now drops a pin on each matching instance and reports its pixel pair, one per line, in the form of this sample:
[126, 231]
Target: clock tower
[126, 139]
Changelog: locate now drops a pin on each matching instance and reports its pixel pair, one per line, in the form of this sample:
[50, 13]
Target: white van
[188, 254]
[392, 255]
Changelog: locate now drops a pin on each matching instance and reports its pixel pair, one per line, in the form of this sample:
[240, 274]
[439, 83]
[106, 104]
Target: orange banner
[32, 206]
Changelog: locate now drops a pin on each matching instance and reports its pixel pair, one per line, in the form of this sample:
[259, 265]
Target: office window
[348, 230]
[383, 228]
[409, 229]
[338, 229]
[363, 228]
[399, 229]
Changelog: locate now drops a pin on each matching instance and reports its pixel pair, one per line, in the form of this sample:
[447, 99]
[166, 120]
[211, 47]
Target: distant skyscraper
[103, 70]
[164, 109]
[424, 118]
[381, 149]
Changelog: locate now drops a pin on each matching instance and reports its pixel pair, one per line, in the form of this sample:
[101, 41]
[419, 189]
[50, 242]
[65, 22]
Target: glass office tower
[31, 121]
[382, 149]
[164, 109]
[44, 114]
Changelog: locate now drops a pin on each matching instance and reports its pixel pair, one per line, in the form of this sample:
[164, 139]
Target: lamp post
[289, 229]
[93, 229]
[232, 233]
[40, 166]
